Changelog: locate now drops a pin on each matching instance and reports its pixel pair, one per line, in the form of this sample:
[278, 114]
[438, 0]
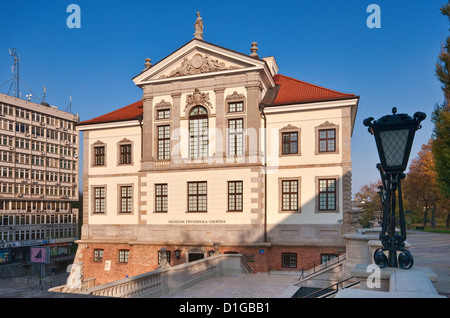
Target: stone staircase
[328, 276]
[165, 280]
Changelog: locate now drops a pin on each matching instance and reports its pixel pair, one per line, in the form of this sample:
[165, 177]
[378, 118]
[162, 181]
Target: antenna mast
[69, 108]
[15, 70]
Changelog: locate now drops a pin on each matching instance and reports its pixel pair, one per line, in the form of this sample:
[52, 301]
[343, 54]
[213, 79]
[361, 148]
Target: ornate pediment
[98, 142]
[197, 58]
[289, 127]
[235, 96]
[163, 103]
[326, 124]
[198, 64]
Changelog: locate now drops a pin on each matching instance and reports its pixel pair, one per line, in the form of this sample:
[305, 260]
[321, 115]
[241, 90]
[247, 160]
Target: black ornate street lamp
[394, 135]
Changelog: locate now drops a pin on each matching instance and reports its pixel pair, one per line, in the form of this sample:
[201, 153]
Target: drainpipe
[261, 109]
[141, 118]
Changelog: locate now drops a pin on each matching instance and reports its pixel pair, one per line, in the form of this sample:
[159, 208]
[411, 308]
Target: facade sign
[197, 221]
[40, 255]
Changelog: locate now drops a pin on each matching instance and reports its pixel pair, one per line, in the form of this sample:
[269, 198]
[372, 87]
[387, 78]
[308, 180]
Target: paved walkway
[428, 249]
[11, 289]
[432, 250]
[242, 286]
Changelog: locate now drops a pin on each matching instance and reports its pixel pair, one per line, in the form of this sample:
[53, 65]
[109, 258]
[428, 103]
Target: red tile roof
[290, 91]
[130, 112]
[295, 91]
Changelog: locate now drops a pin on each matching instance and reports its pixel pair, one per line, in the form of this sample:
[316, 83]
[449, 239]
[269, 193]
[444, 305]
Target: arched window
[198, 132]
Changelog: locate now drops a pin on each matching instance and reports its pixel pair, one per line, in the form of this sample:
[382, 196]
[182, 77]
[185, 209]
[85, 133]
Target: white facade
[232, 90]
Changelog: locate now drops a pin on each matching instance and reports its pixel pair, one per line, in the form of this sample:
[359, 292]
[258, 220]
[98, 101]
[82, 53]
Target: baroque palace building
[38, 186]
[221, 155]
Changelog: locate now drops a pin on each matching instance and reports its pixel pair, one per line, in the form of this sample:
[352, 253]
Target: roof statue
[198, 27]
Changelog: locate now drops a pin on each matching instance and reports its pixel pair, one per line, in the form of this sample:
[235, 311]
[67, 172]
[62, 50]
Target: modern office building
[38, 185]
[221, 155]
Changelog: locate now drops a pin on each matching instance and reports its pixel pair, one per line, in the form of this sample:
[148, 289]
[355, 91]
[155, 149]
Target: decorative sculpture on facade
[235, 96]
[163, 103]
[198, 27]
[164, 262]
[198, 64]
[148, 62]
[75, 279]
[198, 98]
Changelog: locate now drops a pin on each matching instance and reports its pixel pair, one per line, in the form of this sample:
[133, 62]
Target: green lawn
[440, 228]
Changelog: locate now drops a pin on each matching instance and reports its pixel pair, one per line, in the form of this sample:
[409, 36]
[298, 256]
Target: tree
[441, 117]
[369, 199]
[420, 186]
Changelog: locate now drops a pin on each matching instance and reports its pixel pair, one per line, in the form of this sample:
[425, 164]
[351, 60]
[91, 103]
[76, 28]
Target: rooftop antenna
[15, 78]
[69, 108]
[15, 71]
[43, 97]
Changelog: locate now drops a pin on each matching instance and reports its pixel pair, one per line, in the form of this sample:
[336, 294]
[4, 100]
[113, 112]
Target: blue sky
[323, 42]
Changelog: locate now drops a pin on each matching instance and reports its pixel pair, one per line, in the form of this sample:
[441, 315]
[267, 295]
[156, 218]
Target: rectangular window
[123, 256]
[327, 140]
[234, 195]
[289, 260]
[164, 114]
[161, 197]
[197, 196]
[290, 143]
[126, 199]
[235, 107]
[125, 154]
[327, 194]
[289, 194]
[98, 255]
[99, 200]
[99, 156]
[327, 257]
[163, 142]
[236, 137]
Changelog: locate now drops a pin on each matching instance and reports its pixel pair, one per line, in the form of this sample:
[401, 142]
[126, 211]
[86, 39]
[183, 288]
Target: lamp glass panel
[394, 145]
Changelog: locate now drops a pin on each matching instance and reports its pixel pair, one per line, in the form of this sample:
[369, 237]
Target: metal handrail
[316, 264]
[331, 286]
